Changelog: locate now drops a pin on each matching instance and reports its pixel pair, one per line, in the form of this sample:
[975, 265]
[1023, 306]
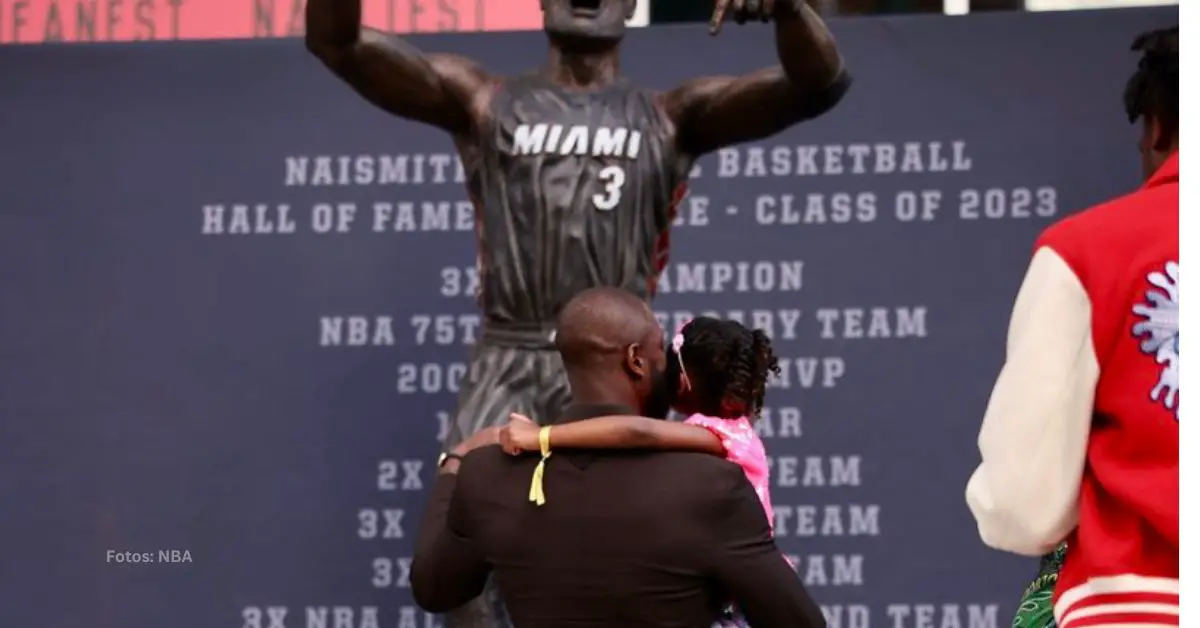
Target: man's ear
[634, 362]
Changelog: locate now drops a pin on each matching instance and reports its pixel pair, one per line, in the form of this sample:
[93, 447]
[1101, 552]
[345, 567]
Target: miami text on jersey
[561, 139]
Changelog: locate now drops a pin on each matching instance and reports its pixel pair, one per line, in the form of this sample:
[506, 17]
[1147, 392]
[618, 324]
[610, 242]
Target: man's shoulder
[1097, 244]
[1109, 221]
[491, 457]
[482, 458]
[701, 487]
[684, 469]
[485, 470]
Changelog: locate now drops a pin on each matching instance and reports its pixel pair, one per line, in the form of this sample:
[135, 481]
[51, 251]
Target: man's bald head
[613, 351]
[603, 322]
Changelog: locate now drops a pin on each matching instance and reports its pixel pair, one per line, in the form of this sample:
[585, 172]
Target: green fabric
[1037, 606]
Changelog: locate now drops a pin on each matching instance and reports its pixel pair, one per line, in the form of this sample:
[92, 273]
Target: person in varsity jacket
[1080, 441]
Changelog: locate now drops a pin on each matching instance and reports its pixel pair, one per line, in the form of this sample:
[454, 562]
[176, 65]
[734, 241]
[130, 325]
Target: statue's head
[587, 21]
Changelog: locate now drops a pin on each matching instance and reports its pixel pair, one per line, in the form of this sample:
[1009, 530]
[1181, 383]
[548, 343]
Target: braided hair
[728, 366]
[1153, 91]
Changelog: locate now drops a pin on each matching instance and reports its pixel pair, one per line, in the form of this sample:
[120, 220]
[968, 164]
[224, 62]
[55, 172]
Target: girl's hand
[520, 435]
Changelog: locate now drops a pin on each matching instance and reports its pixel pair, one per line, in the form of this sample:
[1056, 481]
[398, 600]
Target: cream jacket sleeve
[1025, 493]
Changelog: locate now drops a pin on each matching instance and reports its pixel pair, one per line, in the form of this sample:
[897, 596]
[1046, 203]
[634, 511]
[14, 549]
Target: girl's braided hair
[728, 366]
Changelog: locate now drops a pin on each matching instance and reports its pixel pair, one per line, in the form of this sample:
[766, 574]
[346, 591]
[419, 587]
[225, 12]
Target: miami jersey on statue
[1081, 436]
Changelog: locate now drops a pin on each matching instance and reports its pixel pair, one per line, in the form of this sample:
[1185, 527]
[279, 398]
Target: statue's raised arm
[438, 89]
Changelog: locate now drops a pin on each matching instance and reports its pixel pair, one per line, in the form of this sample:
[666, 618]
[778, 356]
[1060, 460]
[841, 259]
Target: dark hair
[728, 366]
[1153, 91]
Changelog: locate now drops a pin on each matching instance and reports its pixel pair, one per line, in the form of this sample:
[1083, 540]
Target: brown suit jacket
[626, 539]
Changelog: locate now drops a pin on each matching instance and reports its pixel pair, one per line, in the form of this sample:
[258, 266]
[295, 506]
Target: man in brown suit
[624, 539]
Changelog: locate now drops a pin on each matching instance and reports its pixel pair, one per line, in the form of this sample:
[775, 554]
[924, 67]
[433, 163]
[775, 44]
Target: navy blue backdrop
[236, 301]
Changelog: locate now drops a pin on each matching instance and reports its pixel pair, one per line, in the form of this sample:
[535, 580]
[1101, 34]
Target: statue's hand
[741, 11]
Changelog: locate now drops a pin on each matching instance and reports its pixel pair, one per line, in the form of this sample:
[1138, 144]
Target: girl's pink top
[744, 448]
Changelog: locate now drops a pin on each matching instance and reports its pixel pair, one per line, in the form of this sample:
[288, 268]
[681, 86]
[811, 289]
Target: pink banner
[36, 21]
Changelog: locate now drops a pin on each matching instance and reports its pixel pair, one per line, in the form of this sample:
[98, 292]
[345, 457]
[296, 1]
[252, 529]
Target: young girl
[722, 369]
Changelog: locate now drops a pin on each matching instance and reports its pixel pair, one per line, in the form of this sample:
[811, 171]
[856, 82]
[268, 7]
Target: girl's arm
[630, 432]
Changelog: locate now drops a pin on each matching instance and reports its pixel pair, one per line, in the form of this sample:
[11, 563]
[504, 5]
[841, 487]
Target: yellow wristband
[537, 494]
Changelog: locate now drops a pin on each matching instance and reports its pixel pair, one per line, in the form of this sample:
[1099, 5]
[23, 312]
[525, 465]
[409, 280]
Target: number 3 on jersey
[613, 178]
